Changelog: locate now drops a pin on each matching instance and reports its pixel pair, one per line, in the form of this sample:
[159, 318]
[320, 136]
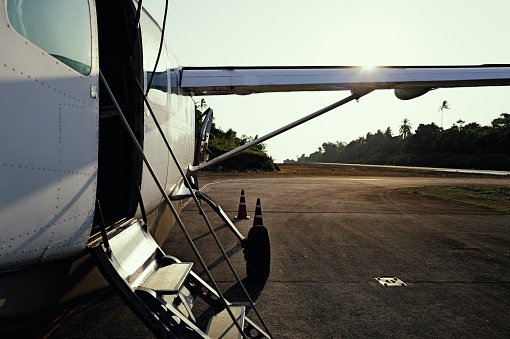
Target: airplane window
[174, 89]
[59, 27]
[159, 85]
[174, 76]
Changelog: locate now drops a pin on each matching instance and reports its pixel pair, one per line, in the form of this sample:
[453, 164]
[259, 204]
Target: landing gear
[256, 247]
[257, 253]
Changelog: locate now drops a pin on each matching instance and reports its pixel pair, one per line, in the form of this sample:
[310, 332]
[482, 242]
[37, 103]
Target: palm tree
[405, 128]
[444, 106]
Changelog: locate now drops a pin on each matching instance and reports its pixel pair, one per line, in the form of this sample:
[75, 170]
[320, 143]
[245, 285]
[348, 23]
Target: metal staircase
[162, 291]
[159, 288]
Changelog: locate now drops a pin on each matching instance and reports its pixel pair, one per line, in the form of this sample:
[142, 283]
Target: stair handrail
[167, 200]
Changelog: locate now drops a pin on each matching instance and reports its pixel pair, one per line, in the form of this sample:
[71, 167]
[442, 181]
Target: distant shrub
[243, 162]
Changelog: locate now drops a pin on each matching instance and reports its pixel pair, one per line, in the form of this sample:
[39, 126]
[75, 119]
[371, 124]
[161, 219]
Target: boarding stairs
[161, 290]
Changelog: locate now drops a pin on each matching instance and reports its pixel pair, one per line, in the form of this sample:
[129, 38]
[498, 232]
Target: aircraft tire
[257, 252]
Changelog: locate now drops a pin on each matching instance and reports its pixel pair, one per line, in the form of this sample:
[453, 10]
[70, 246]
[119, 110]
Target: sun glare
[368, 67]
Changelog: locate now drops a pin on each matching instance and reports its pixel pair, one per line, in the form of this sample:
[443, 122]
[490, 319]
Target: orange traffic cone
[241, 212]
[257, 220]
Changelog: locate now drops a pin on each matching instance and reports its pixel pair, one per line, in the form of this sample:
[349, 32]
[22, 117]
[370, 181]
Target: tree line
[221, 142]
[460, 146]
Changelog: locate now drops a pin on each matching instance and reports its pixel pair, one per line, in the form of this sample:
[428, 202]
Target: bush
[244, 162]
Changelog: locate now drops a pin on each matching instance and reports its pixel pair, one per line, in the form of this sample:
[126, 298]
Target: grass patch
[319, 169]
[496, 197]
[355, 170]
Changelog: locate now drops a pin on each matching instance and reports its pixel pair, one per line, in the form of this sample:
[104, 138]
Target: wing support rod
[354, 96]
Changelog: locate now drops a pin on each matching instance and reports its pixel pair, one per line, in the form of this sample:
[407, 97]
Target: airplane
[99, 151]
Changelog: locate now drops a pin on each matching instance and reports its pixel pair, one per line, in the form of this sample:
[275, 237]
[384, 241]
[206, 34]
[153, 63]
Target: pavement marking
[391, 282]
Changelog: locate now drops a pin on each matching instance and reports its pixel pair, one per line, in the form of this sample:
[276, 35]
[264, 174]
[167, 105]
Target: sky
[340, 33]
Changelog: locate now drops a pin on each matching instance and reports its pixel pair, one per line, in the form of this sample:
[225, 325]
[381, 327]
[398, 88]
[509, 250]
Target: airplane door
[49, 129]
[201, 151]
[120, 61]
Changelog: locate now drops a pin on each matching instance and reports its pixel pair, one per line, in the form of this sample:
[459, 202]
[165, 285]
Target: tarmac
[331, 238]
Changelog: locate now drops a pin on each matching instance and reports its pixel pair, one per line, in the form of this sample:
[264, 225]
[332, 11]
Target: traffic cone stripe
[257, 220]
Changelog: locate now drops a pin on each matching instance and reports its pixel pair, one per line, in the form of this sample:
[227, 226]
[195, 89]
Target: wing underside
[201, 81]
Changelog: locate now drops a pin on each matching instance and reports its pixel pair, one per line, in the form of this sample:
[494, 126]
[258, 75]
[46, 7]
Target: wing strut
[354, 96]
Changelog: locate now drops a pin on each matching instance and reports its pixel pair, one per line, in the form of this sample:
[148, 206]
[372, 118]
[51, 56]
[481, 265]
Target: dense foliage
[460, 146]
[220, 142]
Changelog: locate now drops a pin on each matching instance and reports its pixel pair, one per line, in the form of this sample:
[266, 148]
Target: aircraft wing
[408, 81]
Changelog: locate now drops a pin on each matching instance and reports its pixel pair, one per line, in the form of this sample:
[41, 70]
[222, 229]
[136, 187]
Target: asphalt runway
[331, 237]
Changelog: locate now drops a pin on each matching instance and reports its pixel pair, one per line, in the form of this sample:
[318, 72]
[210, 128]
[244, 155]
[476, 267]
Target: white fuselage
[62, 144]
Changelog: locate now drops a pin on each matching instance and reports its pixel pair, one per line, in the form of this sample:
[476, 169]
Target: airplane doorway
[120, 60]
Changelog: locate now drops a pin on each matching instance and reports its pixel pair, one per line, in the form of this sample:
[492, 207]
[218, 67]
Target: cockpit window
[59, 27]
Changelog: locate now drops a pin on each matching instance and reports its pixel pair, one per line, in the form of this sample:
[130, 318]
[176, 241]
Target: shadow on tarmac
[235, 293]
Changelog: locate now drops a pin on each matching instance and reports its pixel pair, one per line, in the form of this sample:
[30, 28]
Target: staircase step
[168, 279]
[161, 290]
[221, 325]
